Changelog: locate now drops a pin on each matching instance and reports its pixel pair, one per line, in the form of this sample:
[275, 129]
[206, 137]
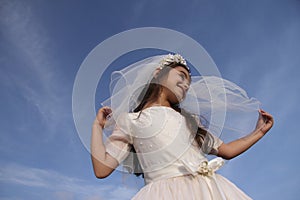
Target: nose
[186, 86]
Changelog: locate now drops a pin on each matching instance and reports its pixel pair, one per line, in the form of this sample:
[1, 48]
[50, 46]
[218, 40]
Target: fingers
[106, 110]
[268, 119]
[265, 114]
[103, 114]
[261, 111]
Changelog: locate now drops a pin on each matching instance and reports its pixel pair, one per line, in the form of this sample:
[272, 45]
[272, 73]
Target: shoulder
[123, 121]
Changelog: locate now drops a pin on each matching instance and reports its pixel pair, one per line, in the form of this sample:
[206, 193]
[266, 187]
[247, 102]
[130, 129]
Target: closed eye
[182, 76]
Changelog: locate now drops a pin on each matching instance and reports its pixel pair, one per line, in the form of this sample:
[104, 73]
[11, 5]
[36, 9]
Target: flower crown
[170, 58]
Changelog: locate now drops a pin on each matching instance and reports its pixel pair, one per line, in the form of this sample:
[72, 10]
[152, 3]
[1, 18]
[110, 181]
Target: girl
[155, 136]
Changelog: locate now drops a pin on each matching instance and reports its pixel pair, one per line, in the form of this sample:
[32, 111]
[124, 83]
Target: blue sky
[255, 44]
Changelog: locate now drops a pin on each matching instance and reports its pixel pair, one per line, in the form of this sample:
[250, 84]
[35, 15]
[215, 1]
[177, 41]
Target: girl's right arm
[103, 163]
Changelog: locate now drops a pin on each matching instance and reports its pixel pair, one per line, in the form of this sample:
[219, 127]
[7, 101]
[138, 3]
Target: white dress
[168, 156]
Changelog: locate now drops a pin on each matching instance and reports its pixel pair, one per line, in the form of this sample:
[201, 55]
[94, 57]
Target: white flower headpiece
[170, 58]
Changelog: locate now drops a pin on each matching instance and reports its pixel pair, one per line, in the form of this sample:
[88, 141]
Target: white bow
[206, 168]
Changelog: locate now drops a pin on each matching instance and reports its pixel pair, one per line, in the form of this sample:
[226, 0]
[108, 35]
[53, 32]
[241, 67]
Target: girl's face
[176, 84]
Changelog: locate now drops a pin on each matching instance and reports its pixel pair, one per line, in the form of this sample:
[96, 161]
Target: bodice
[164, 143]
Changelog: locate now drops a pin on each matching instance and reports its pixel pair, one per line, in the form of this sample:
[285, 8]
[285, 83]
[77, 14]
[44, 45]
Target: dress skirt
[191, 187]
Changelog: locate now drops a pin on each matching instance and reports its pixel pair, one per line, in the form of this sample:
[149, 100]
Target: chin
[177, 100]
[176, 97]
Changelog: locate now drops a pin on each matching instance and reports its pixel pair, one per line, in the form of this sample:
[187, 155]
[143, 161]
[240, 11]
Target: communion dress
[173, 166]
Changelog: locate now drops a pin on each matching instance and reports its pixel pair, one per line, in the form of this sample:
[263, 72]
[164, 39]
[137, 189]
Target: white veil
[225, 108]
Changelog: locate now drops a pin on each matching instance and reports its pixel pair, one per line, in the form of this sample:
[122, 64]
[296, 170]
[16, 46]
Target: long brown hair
[150, 94]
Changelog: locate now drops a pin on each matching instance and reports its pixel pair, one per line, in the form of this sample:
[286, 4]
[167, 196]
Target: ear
[156, 72]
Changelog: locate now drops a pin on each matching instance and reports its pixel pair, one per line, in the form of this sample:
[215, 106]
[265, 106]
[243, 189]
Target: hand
[102, 115]
[264, 122]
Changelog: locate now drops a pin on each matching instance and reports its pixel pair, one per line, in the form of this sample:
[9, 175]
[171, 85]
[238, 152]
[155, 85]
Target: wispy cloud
[60, 186]
[34, 73]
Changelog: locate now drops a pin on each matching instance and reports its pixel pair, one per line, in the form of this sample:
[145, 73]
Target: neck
[161, 100]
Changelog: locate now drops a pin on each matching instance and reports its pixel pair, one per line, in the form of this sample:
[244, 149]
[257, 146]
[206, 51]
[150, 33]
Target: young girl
[155, 136]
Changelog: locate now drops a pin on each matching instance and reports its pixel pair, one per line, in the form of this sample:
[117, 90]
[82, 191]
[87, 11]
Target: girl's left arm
[236, 147]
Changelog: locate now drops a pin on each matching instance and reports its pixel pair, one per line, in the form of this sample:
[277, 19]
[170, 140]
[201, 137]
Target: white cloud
[59, 185]
[36, 77]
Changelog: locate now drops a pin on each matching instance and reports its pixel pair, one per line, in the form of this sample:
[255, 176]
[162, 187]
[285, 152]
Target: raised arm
[236, 147]
[103, 163]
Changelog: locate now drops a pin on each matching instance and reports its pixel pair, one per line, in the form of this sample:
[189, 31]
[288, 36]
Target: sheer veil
[227, 110]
